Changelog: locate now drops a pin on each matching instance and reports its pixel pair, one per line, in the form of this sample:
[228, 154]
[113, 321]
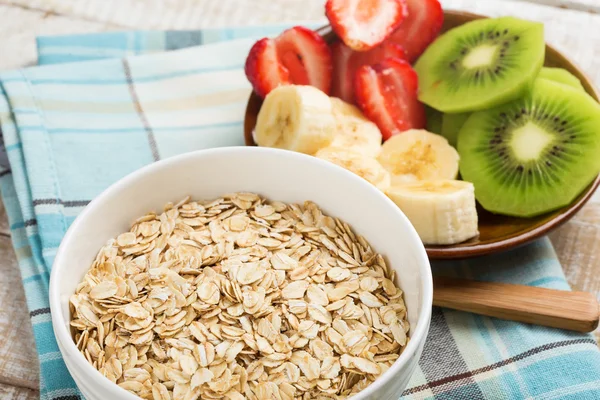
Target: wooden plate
[496, 232]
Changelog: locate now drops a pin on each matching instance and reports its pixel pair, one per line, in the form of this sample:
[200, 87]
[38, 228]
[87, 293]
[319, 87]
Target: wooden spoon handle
[577, 311]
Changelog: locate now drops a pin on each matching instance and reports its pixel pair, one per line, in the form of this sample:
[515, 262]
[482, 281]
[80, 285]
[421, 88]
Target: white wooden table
[571, 26]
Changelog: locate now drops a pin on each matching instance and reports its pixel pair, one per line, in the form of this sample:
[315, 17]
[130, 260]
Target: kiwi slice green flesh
[532, 155]
[451, 125]
[434, 120]
[481, 64]
[561, 76]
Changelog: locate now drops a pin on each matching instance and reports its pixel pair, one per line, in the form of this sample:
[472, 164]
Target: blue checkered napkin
[70, 130]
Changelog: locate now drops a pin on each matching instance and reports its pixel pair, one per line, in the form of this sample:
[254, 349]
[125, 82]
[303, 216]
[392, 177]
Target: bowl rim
[68, 347]
[465, 249]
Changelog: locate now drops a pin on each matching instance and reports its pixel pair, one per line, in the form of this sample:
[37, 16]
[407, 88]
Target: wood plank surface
[4, 228]
[571, 26]
[19, 26]
[8, 392]
[18, 358]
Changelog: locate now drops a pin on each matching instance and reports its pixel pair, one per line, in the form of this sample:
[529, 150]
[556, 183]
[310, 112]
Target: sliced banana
[354, 131]
[297, 118]
[362, 165]
[418, 155]
[442, 211]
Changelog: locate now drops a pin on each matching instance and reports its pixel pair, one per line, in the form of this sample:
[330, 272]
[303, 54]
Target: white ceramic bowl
[276, 174]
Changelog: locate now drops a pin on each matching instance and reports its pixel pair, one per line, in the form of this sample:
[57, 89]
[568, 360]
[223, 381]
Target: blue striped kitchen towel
[127, 99]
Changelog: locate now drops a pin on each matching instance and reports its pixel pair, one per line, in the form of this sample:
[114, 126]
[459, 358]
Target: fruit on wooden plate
[532, 155]
[481, 64]
[364, 166]
[346, 61]
[422, 25]
[443, 212]
[354, 131]
[295, 117]
[561, 75]
[418, 155]
[298, 56]
[363, 24]
[386, 93]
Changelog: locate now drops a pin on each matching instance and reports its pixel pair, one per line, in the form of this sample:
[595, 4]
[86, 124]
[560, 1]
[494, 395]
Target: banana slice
[354, 131]
[297, 118]
[418, 155]
[442, 211]
[362, 165]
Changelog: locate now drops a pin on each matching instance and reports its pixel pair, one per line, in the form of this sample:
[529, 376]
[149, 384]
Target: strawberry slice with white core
[307, 57]
[263, 69]
[346, 61]
[420, 28]
[298, 56]
[363, 24]
[387, 94]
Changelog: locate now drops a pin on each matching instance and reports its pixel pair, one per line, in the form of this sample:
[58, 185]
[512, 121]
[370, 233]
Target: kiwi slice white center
[529, 142]
[481, 56]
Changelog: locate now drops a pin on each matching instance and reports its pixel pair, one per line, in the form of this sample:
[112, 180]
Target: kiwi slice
[481, 64]
[532, 155]
[434, 120]
[451, 125]
[561, 76]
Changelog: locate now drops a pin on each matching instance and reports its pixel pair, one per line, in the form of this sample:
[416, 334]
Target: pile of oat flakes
[239, 298]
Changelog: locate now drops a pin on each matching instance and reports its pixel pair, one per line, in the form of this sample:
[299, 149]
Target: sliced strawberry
[387, 94]
[297, 56]
[346, 61]
[342, 77]
[420, 28]
[363, 24]
[307, 57]
[263, 69]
